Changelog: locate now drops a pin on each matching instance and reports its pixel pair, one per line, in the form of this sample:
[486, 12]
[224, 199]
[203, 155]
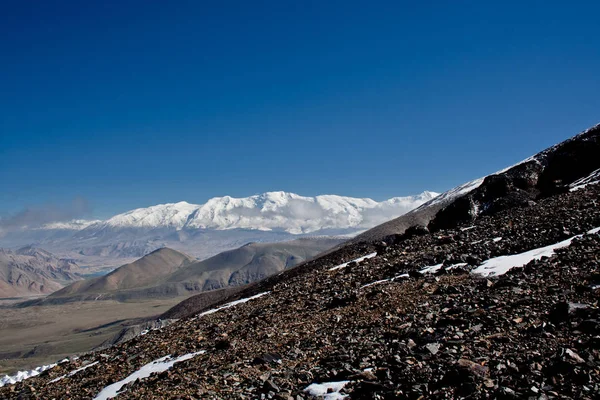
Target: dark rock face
[546, 174]
[461, 211]
[570, 161]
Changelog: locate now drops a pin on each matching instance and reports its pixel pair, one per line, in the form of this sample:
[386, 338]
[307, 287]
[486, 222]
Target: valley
[42, 335]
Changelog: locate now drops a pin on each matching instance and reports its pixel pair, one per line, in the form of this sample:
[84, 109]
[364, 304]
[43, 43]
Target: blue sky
[129, 104]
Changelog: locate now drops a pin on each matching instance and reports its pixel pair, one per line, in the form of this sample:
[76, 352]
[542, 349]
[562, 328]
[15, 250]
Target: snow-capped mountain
[172, 215]
[222, 223]
[74, 225]
[269, 211]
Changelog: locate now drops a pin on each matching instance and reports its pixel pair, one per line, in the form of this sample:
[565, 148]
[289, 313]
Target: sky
[133, 103]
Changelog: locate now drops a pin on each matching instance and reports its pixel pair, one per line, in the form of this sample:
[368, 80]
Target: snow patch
[385, 280]
[160, 365]
[591, 179]
[501, 265]
[327, 390]
[74, 372]
[233, 303]
[22, 375]
[454, 193]
[357, 260]
[432, 269]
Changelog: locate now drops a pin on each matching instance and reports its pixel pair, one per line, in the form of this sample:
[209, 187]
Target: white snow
[172, 215]
[431, 269]
[321, 390]
[434, 268]
[501, 265]
[74, 372]
[591, 179]
[496, 239]
[468, 228]
[359, 259]
[268, 211]
[22, 375]
[160, 365]
[75, 225]
[375, 283]
[385, 280]
[455, 192]
[233, 303]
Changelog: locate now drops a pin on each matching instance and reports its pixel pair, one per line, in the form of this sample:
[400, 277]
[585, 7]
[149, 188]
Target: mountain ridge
[221, 224]
[256, 212]
[527, 180]
[168, 273]
[32, 271]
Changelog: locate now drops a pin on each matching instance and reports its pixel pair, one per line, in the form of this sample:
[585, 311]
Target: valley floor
[33, 336]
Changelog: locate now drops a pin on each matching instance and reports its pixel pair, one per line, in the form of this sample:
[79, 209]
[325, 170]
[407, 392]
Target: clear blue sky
[129, 104]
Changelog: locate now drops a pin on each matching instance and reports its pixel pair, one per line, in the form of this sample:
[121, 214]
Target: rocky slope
[452, 334]
[548, 172]
[502, 306]
[32, 271]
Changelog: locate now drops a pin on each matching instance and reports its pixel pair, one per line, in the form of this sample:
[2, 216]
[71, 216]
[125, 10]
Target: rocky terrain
[31, 271]
[497, 303]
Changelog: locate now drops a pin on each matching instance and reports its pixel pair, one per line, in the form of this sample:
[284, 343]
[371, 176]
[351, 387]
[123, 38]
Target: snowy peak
[172, 215]
[298, 214]
[280, 211]
[75, 225]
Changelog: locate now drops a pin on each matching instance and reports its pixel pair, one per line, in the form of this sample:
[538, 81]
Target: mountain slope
[380, 328]
[168, 273]
[250, 263]
[501, 305]
[147, 271]
[548, 172]
[32, 271]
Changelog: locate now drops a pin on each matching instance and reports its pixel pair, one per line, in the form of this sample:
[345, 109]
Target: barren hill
[169, 273]
[147, 271]
[31, 271]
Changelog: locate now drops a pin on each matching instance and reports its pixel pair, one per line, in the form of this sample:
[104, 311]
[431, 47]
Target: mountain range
[222, 223]
[168, 273]
[271, 211]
